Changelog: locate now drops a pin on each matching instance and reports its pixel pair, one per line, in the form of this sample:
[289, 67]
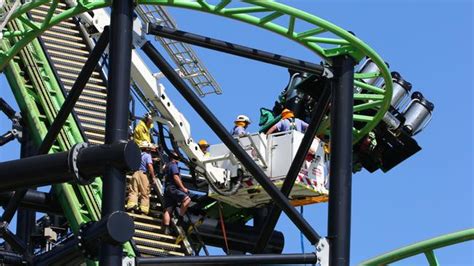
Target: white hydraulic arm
[161, 104]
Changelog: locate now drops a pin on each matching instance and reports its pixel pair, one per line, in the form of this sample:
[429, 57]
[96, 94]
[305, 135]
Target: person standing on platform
[176, 194]
[240, 126]
[139, 195]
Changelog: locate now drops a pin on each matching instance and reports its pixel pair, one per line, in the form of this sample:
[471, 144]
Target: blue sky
[430, 44]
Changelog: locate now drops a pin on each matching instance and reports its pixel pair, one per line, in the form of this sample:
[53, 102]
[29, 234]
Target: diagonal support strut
[316, 119]
[237, 49]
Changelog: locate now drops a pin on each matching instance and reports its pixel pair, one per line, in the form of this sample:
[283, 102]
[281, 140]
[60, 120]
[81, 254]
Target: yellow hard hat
[203, 142]
[147, 145]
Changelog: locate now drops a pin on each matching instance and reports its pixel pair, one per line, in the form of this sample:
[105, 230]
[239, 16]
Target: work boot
[183, 221]
[144, 210]
[167, 230]
[131, 209]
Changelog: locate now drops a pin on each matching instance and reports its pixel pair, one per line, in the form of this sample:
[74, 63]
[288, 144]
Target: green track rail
[318, 35]
[426, 247]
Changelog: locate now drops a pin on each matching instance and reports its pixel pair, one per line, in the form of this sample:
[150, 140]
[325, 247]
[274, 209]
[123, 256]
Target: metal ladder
[190, 67]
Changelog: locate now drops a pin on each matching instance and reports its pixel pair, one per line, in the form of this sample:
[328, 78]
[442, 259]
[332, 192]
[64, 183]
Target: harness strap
[292, 123]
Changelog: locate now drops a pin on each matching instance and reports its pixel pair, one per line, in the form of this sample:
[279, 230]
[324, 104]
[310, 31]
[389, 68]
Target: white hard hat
[243, 118]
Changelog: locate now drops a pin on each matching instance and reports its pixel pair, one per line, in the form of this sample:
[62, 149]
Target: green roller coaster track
[82, 203]
[426, 247]
[287, 21]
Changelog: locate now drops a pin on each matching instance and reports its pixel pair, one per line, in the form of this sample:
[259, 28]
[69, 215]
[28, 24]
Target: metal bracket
[322, 252]
[17, 128]
[139, 33]
[327, 73]
[72, 161]
[3, 227]
[83, 247]
[127, 261]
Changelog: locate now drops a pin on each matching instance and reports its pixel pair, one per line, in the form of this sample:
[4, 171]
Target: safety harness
[292, 123]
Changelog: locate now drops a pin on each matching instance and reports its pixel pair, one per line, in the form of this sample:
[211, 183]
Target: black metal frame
[339, 220]
[116, 134]
[116, 127]
[305, 258]
[236, 49]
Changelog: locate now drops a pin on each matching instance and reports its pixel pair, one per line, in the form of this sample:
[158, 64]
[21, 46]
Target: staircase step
[91, 113]
[65, 30]
[57, 47]
[62, 36]
[95, 136]
[72, 77]
[153, 235]
[94, 128]
[148, 227]
[63, 42]
[97, 86]
[67, 62]
[158, 251]
[142, 217]
[95, 107]
[92, 120]
[155, 244]
[68, 56]
[92, 100]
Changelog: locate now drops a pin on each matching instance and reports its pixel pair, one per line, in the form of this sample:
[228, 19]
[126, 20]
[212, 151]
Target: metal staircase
[149, 237]
[68, 51]
[190, 67]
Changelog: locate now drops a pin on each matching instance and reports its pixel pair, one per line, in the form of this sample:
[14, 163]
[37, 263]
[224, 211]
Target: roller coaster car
[391, 150]
[274, 154]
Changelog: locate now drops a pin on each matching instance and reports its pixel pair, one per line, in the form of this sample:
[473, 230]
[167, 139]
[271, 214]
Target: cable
[301, 233]
[224, 234]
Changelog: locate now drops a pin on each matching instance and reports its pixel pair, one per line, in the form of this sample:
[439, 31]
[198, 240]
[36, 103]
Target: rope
[224, 234]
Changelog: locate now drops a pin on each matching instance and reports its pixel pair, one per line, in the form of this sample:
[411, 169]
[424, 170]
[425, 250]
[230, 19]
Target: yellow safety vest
[142, 133]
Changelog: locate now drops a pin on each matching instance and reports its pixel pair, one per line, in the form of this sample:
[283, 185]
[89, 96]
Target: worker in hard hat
[139, 194]
[240, 126]
[204, 146]
[142, 130]
[175, 192]
[288, 122]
